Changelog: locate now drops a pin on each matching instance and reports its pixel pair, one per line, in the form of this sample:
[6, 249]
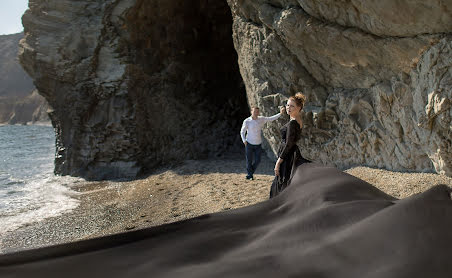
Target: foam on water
[36, 200]
[29, 191]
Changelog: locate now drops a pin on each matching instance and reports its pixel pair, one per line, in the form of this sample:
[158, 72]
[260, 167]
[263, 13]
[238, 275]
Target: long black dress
[290, 153]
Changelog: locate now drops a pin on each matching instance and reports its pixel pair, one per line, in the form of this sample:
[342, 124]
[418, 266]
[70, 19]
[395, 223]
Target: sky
[10, 16]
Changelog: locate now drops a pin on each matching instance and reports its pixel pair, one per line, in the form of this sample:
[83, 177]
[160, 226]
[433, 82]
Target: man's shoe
[249, 178]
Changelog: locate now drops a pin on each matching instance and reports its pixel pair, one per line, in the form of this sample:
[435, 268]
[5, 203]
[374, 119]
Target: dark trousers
[253, 158]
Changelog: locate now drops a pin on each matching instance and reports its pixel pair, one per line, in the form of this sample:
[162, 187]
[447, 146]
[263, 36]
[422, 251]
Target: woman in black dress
[289, 156]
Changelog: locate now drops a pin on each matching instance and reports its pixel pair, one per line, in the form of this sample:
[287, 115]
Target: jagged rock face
[135, 83]
[377, 74]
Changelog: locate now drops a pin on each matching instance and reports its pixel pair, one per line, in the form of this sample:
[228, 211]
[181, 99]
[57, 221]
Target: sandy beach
[175, 193]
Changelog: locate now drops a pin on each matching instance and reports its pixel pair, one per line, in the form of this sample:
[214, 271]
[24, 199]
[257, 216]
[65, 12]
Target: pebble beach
[180, 192]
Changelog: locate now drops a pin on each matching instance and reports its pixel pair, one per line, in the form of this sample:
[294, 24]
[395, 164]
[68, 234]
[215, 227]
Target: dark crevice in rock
[184, 81]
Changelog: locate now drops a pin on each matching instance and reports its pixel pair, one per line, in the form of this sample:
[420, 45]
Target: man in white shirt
[252, 127]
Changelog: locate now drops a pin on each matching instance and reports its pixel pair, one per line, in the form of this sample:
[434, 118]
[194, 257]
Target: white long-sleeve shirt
[253, 128]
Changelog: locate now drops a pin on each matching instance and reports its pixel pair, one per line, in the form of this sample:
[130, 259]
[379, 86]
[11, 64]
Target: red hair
[299, 99]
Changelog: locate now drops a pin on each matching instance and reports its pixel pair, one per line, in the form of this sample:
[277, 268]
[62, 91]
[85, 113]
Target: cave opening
[189, 95]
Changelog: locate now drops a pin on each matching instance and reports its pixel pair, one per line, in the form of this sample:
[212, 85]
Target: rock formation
[378, 76]
[134, 84]
[19, 104]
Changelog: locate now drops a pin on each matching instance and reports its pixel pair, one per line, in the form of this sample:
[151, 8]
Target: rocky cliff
[18, 103]
[136, 83]
[378, 76]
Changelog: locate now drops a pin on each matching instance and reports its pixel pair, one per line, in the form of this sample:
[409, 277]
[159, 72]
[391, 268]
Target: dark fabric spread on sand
[325, 224]
[291, 155]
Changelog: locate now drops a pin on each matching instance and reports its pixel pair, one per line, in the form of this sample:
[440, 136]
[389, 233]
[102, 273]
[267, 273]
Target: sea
[29, 191]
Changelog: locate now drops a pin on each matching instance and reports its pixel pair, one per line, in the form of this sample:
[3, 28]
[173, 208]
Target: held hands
[282, 110]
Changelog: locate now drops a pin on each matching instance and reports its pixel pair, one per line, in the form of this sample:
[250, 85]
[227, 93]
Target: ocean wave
[29, 191]
[41, 198]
